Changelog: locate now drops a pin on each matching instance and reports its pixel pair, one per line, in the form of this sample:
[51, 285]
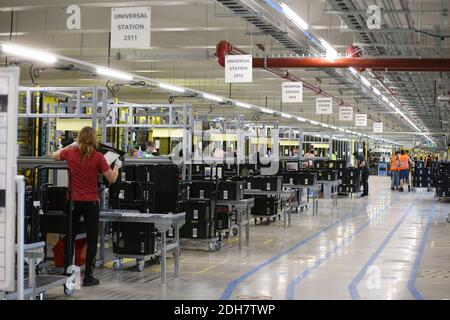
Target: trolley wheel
[218, 246]
[448, 219]
[256, 221]
[212, 246]
[69, 291]
[42, 268]
[42, 295]
[140, 264]
[227, 234]
[117, 265]
[235, 232]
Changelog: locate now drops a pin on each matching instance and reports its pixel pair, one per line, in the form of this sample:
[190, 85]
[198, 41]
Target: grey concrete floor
[389, 245]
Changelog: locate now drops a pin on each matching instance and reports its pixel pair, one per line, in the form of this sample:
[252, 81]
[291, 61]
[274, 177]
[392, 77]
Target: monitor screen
[292, 166]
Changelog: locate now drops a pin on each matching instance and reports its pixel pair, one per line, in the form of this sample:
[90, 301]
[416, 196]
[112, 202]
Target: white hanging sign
[130, 27]
[238, 68]
[292, 92]
[361, 120]
[345, 114]
[324, 106]
[378, 127]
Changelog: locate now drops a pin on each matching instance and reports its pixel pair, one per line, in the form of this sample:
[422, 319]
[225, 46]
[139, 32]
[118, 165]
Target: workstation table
[330, 190]
[162, 222]
[286, 197]
[242, 208]
[314, 188]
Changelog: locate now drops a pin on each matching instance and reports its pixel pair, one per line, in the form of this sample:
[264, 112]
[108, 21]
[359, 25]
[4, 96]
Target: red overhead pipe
[382, 64]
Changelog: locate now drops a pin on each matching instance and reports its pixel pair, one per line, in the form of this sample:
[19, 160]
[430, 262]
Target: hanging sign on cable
[238, 68]
[130, 27]
[378, 127]
[292, 92]
[361, 120]
[324, 106]
[345, 114]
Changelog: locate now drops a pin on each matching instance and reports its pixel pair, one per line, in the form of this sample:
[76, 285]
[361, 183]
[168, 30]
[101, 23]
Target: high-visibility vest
[394, 163]
[404, 162]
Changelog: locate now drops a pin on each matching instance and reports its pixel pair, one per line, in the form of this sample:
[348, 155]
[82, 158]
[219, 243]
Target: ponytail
[87, 140]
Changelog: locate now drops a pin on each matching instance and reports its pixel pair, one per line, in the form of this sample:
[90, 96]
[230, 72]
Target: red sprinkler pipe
[382, 64]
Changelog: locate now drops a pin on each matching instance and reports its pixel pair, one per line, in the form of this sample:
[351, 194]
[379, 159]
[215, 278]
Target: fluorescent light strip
[313, 122]
[301, 119]
[294, 17]
[385, 99]
[285, 115]
[265, 110]
[113, 73]
[365, 81]
[353, 70]
[243, 105]
[324, 125]
[331, 52]
[172, 88]
[28, 53]
[376, 91]
[212, 97]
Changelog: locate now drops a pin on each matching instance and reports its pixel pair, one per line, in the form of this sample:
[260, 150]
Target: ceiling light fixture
[28, 53]
[365, 82]
[172, 88]
[212, 97]
[294, 17]
[265, 110]
[331, 52]
[113, 73]
[243, 105]
[353, 70]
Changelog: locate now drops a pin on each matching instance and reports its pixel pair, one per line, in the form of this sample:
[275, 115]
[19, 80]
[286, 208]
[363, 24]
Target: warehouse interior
[254, 149]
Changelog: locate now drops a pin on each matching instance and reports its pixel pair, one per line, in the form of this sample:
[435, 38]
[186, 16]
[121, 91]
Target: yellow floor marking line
[234, 240]
[268, 241]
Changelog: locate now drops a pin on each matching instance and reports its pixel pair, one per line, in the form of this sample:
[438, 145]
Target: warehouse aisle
[390, 245]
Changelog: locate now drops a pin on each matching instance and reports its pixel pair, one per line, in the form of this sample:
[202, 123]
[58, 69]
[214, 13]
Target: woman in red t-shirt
[85, 164]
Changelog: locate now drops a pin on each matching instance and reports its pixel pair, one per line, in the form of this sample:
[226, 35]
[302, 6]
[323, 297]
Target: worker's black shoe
[392, 188]
[90, 282]
[401, 189]
[409, 188]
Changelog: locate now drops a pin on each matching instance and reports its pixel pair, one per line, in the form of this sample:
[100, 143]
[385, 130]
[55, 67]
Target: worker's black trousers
[90, 212]
[365, 181]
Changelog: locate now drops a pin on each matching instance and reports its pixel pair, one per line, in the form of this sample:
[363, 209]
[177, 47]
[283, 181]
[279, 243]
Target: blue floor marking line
[290, 290]
[232, 285]
[353, 286]
[412, 277]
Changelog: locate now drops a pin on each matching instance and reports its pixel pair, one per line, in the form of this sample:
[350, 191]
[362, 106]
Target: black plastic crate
[201, 189]
[329, 175]
[230, 190]
[195, 230]
[265, 183]
[130, 191]
[196, 209]
[131, 238]
[300, 178]
[265, 206]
